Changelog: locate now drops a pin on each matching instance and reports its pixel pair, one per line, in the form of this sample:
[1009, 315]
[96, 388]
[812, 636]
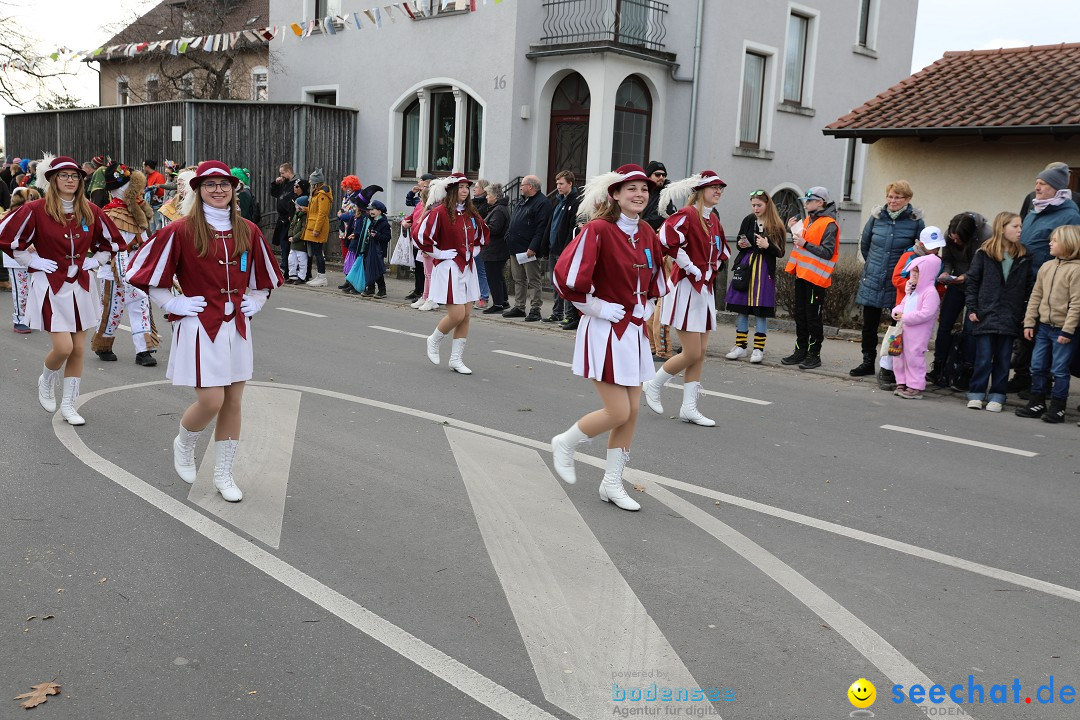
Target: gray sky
[942, 25]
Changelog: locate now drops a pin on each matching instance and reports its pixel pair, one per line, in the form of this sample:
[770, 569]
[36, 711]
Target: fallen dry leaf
[639, 488]
[38, 695]
[48, 617]
[103, 580]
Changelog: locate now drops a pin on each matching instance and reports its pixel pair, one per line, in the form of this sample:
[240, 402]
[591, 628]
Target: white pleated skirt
[600, 355]
[197, 361]
[451, 286]
[685, 308]
[70, 310]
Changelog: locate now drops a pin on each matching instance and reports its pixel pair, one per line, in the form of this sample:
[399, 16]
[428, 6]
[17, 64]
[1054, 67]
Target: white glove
[44, 265]
[184, 305]
[251, 304]
[692, 270]
[90, 263]
[612, 312]
[443, 254]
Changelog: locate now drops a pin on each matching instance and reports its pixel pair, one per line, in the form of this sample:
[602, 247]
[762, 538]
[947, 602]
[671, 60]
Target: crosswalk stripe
[301, 312]
[399, 332]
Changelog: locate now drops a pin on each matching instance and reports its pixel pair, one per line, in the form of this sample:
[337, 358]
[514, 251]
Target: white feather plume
[677, 193]
[595, 194]
[438, 188]
[43, 167]
[187, 201]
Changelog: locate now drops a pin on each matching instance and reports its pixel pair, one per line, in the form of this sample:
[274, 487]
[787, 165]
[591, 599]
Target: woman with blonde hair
[227, 270]
[70, 238]
[612, 272]
[695, 239]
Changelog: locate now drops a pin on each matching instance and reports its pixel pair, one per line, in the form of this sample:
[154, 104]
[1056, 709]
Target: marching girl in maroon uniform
[70, 237]
[452, 231]
[694, 237]
[613, 273]
[226, 270]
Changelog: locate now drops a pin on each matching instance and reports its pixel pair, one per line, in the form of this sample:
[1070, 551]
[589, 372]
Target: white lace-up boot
[46, 392]
[223, 479]
[651, 389]
[562, 451]
[689, 412]
[457, 349]
[318, 281]
[433, 342]
[67, 405]
[184, 454]
[611, 489]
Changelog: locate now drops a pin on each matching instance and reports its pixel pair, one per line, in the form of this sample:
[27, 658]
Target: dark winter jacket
[481, 205]
[1035, 232]
[564, 233]
[998, 303]
[283, 195]
[527, 223]
[652, 214]
[771, 253]
[498, 220]
[884, 240]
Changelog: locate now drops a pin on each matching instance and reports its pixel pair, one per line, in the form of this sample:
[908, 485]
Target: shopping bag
[896, 339]
[402, 254]
[885, 357]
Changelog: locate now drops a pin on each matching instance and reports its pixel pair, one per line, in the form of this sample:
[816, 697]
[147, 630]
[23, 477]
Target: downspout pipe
[696, 84]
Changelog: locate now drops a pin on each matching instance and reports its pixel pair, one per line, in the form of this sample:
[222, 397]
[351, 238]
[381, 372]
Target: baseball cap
[816, 193]
[932, 238]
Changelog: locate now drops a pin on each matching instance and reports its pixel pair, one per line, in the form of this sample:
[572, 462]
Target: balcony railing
[636, 23]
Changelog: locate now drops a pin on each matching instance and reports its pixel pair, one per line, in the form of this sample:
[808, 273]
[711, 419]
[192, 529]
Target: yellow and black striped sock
[740, 339]
[759, 341]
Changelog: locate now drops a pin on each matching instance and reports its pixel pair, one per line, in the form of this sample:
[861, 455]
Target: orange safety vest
[810, 267]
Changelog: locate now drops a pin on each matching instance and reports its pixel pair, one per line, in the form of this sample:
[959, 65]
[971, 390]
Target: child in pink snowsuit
[918, 311]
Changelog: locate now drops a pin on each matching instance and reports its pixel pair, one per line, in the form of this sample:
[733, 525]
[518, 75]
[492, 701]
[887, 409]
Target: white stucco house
[537, 86]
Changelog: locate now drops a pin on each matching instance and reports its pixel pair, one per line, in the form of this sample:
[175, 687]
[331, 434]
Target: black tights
[315, 251]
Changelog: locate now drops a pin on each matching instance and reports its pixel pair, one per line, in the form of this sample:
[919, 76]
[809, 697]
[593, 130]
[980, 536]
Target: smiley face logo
[862, 693]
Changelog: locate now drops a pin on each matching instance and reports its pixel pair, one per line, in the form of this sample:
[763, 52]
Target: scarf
[1037, 206]
[894, 215]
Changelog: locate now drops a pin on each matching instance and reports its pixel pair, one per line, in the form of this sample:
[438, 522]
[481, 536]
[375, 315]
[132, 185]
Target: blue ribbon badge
[85, 229]
[243, 261]
[716, 239]
[648, 257]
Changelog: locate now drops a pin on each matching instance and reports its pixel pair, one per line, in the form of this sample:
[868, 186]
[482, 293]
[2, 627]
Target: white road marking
[961, 441]
[457, 674]
[263, 461]
[535, 358]
[301, 312]
[399, 332]
[580, 620]
[862, 637]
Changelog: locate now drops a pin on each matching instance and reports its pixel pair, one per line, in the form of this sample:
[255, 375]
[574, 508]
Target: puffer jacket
[1055, 299]
[318, 218]
[997, 301]
[884, 240]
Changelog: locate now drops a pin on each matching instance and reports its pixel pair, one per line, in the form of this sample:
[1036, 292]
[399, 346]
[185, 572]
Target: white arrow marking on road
[399, 332]
[961, 441]
[302, 312]
[582, 624]
[674, 386]
[263, 460]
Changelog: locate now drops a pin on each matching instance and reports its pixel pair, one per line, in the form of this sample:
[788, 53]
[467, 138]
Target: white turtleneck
[68, 205]
[460, 208]
[218, 218]
[628, 225]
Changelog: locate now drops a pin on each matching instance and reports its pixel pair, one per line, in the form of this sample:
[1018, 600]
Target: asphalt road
[425, 564]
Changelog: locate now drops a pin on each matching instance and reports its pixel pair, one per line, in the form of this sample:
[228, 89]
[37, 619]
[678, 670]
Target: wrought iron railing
[638, 23]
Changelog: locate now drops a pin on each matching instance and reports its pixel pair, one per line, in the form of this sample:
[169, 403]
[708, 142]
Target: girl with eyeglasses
[226, 269]
[762, 240]
[70, 239]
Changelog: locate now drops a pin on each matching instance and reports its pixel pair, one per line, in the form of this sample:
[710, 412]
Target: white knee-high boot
[689, 412]
[184, 454]
[67, 405]
[611, 488]
[223, 477]
[434, 340]
[456, 351]
[47, 388]
[652, 390]
[562, 450]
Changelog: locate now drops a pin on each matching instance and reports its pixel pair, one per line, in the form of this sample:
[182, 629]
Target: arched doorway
[787, 204]
[568, 142]
[633, 123]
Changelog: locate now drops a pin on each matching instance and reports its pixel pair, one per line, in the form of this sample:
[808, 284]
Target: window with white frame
[441, 131]
[153, 88]
[867, 23]
[410, 138]
[632, 123]
[123, 92]
[851, 191]
[753, 99]
[798, 38]
[260, 83]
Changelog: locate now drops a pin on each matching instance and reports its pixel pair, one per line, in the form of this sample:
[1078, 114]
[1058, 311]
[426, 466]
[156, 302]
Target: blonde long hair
[996, 246]
[202, 234]
[54, 206]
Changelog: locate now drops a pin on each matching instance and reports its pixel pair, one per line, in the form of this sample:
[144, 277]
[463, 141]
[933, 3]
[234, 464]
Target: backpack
[954, 369]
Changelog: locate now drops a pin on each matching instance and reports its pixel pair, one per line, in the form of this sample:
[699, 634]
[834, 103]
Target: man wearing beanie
[658, 173]
[1025, 208]
[1051, 208]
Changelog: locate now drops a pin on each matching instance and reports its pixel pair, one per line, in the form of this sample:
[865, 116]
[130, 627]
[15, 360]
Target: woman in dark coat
[375, 245]
[892, 228]
[495, 254]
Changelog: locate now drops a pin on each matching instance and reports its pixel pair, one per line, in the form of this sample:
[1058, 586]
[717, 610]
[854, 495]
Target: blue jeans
[992, 356]
[481, 274]
[742, 323]
[1050, 358]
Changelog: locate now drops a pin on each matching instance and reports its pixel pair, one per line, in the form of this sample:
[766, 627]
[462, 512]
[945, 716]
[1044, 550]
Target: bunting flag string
[222, 42]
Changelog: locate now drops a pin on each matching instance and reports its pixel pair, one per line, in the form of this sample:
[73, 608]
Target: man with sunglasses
[657, 172]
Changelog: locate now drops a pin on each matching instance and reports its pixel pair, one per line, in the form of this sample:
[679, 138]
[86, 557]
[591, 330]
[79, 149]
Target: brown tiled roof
[1032, 90]
[164, 21]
